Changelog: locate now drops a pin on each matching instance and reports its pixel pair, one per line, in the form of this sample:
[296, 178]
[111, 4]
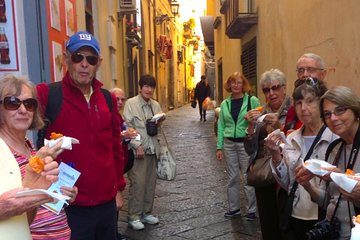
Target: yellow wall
[287, 29]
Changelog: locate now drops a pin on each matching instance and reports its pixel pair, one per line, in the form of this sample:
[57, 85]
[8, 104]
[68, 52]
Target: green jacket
[227, 127]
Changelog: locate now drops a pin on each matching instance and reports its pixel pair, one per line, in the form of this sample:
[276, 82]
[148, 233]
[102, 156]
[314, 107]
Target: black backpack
[53, 107]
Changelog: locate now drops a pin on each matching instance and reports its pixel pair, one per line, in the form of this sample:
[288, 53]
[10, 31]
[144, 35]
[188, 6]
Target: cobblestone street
[193, 205]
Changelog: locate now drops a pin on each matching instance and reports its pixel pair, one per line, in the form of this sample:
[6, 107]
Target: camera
[324, 230]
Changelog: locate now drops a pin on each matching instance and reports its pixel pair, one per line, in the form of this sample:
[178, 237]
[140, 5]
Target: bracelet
[249, 134]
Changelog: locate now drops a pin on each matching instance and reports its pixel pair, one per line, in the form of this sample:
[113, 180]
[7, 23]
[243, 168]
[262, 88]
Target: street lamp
[174, 7]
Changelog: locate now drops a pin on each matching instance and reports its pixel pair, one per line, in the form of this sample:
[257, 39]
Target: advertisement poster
[8, 40]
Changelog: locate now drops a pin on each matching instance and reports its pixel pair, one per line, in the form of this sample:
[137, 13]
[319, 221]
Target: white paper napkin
[316, 166]
[56, 196]
[66, 144]
[157, 116]
[343, 181]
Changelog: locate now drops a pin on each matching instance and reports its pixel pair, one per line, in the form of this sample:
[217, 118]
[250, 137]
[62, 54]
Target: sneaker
[150, 219]
[250, 217]
[136, 225]
[232, 214]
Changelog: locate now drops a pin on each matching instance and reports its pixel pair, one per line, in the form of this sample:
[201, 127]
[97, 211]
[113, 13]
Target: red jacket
[99, 156]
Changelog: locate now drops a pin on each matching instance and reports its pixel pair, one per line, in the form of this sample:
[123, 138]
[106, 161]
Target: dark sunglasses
[309, 81]
[273, 88]
[78, 57]
[13, 103]
[339, 110]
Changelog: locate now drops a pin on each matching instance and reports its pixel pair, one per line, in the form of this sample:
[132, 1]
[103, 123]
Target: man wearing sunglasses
[309, 65]
[86, 115]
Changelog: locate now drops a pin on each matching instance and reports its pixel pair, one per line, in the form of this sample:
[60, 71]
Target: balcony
[240, 17]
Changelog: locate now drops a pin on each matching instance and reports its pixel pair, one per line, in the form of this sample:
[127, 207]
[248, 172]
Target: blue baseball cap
[82, 39]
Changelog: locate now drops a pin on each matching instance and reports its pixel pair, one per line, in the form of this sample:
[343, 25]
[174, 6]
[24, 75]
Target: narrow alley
[193, 205]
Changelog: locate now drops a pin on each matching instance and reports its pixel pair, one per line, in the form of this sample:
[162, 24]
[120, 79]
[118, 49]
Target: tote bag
[166, 165]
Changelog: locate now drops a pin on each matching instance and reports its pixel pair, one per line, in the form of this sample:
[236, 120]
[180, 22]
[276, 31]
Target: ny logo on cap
[84, 36]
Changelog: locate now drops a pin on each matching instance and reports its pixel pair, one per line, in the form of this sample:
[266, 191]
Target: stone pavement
[193, 205]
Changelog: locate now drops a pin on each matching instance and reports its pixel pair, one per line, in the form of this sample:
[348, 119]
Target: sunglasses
[78, 57]
[273, 88]
[337, 112]
[309, 81]
[301, 70]
[13, 103]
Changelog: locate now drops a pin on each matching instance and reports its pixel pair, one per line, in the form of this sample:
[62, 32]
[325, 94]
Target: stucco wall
[329, 28]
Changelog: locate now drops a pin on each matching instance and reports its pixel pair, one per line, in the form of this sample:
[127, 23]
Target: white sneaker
[150, 219]
[136, 225]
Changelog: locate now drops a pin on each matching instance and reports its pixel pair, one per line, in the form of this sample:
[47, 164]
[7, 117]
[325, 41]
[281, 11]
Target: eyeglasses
[309, 81]
[301, 70]
[273, 88]
[13, 103]
[78, 57]
[337, 112]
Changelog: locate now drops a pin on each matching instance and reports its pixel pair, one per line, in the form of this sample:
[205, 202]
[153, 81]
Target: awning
[207, 27]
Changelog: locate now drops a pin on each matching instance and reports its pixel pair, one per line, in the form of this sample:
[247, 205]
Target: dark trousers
[202, 111]
[93, 222]
[298, 228]
[267, 207]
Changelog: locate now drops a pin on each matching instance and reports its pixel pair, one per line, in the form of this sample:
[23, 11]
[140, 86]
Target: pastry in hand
[54, 136]
[36, 164]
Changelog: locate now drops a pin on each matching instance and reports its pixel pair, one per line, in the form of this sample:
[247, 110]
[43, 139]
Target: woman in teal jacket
[230, 144]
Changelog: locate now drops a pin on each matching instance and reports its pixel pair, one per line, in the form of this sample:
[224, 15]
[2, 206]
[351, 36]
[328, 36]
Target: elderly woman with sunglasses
[273, 83]
[288, 159]
[18, 113]
[340, 112]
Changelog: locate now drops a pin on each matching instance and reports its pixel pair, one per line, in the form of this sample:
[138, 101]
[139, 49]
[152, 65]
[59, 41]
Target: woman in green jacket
[230, 144]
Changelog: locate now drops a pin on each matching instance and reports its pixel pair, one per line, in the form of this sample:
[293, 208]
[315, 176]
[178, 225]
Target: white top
[14, 228]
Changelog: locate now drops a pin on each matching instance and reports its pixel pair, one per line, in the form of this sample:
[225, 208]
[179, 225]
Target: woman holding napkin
[18, 113]
[340, 112]
[273, 84]
[310, 141]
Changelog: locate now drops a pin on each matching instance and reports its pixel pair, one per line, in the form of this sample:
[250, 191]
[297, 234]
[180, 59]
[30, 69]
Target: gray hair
[315, 57]
[272, 75]
[342, 96]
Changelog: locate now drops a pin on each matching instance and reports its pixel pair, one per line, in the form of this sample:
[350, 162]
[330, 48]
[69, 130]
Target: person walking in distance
[86, 115]
[202, 91]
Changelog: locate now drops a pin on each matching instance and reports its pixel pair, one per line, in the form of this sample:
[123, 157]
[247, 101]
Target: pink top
[46, 225]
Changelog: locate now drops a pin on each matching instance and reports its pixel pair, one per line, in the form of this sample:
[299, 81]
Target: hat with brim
[82, 39]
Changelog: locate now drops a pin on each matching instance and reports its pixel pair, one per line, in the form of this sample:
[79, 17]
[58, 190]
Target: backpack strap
[53, 106]
[331, 147]
[108, 99]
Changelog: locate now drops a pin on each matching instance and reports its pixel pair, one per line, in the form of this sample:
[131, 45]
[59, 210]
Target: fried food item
[55, 135]
[260, 108]
[36, 164]
[349, 172]
[358, 219]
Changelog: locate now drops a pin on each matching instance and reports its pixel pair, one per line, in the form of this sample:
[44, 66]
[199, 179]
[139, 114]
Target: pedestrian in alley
[230, 142]
[89, 114]
[202, 91]
[138, 111]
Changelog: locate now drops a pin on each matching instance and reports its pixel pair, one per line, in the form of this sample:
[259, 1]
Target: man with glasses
[308, 65]
[86, 115]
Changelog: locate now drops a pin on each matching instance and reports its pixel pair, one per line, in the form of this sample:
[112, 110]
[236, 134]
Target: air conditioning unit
[127, 5]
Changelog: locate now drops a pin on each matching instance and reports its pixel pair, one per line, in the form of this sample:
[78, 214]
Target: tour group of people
[315, 123]
[87, 112]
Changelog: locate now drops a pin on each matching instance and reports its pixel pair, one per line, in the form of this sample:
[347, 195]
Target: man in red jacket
[85, 115]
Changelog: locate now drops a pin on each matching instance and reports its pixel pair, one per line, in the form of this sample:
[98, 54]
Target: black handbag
[286, 210]
[130, 160]
[193, 103]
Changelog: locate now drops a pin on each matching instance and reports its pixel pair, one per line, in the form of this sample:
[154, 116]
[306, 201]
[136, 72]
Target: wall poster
[8, 41]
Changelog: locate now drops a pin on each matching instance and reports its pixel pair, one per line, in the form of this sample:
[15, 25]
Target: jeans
[236, 163]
